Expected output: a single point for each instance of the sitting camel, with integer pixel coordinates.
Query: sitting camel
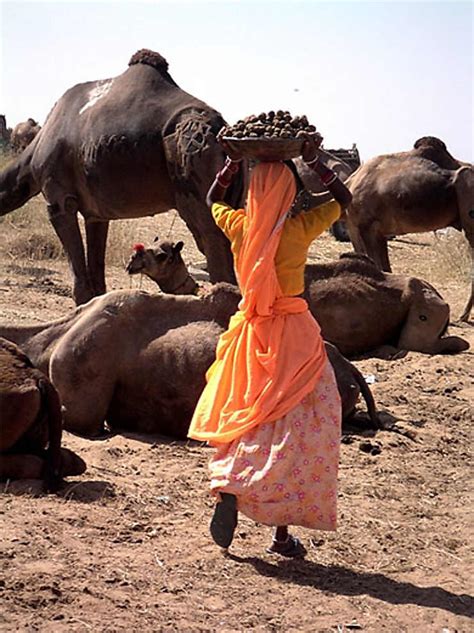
(163, 264)
(30, 420)
(359, 308)
(125, 147)
(152, 380)
(424, 189)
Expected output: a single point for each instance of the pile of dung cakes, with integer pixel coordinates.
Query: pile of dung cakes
(269, 125)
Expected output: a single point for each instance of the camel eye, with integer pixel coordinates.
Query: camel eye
(422, 317)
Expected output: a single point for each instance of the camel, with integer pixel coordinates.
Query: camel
(31, 419)
(424, 189)
(23, 134)
(359, 308)
(139, 360)
(124, 147)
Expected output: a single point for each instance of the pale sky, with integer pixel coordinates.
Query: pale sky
(380, 74)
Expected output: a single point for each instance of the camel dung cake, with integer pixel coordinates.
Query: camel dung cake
(269, 135)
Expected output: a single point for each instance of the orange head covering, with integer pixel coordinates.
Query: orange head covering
(272, 354)
(272, 190)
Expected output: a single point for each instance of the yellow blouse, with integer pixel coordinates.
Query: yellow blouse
(297, 235)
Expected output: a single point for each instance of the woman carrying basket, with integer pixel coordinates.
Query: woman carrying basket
(271, 407)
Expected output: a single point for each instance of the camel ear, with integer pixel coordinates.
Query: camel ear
(178, 247)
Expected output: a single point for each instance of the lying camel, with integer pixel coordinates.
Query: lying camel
(359, 308)
(30, 420)
(152, 380)
(424, 189)
(125, 147)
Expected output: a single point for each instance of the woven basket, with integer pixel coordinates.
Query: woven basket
(266, 149)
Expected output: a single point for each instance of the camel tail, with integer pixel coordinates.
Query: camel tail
(368, 397)
(52, 406)
(17, 184)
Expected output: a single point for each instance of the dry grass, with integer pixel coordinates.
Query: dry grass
(453, 258)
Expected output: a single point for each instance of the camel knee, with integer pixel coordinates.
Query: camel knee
(21, 467)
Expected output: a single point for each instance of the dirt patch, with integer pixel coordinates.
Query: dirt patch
(126, 545)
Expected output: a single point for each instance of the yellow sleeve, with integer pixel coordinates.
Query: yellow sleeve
(317, 220)
(229, 220)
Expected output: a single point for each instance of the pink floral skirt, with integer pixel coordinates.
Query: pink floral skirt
(285, 472)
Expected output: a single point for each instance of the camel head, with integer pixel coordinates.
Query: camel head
(427, 323)
(163, 263)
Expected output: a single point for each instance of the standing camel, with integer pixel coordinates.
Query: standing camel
(125, 147)
(424, 189)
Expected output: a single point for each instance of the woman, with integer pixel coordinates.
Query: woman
(271, 405)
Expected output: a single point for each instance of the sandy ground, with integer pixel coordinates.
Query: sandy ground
(126, 545)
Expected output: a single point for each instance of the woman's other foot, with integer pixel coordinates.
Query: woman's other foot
(292, 547)
(224, 520)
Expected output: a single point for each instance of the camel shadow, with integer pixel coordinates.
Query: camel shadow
(340, 580)
(81, 491)
(86, 491)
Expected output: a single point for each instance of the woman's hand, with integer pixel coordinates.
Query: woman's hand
(231, 153)
(310, 146)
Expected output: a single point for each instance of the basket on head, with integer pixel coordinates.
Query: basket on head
(266, 149)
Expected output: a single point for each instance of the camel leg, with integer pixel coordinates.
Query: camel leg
(464, 187)
(21, 466)
(358, 243)
(209, 239)
(220, 263)
(96, 236)
(376, 247)
(66, 226)
(467, 310)
(28, 466)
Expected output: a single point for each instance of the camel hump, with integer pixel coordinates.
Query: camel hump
(430, 141)
(432, 148)
(146, 56)
(360, 257)
(359, 264)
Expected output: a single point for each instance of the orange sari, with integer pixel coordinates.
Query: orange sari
(272, 354)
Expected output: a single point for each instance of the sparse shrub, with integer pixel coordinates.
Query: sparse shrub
(36, 246)
(453, 260)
